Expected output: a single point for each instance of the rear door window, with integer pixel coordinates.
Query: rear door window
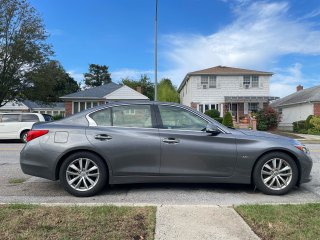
(132, 116)
(102, 118)
(29, 118)
(10, 118)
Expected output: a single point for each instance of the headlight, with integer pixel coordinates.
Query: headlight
(303, 148)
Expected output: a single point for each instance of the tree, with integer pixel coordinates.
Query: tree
(22, 46)
(147, 87)
(49, 82)
(167, 92)
(97, 75)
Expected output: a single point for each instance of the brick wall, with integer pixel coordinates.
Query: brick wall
(194, 105)
(316, 109)
(68, 107)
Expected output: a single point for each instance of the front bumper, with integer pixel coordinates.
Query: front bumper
(305, 168)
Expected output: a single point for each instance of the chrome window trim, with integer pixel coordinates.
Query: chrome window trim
(92, 123)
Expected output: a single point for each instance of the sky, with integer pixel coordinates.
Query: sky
(282, 37)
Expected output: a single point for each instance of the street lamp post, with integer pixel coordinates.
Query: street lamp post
(156, 54)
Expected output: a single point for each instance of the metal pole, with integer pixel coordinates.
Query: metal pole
(156, 54)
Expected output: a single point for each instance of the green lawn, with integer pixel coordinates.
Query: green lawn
(79, 222)
(283, 221)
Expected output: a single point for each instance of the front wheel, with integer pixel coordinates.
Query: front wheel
(83, 174)
(275, 173)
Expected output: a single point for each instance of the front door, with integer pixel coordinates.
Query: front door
(125, 136)
(187, 150)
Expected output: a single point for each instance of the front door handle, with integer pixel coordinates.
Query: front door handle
(170, 140)
(102, 137)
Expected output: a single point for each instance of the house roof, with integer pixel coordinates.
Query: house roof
(302, 96)
(223, 71)
(32, 105)
(94, 93)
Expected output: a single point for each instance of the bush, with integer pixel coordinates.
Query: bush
(315, 121)
(57, 117)
(227, 120)
(219, 119)
(308, 125)
(313, 131)
(267, 119)
(299, 126)
(213, 113)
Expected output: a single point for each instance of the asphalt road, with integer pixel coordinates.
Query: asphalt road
(36, 190)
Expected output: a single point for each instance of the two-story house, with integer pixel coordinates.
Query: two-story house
(239, 91)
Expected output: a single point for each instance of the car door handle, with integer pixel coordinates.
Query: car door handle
(102, 137)
(170, 140)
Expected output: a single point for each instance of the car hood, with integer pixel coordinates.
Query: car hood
(267, 135)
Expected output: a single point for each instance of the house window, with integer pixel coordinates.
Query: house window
(82, 106)
(250, 81)
(204, 82)
(253, 107)
(212, 82)
(255, 82)
(201, 108)
(246, 82)
(75, 107)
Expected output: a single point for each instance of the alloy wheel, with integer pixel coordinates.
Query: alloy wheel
(82, 174)
(276, 174)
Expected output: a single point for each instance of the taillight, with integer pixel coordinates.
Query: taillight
(32, 134)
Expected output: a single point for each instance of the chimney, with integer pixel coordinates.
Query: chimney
(299, 88)
(138, 89)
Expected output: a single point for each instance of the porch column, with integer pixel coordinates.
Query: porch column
(221, 110)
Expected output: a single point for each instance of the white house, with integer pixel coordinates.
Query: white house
(298, 106)
(226, 89)
(78, 101)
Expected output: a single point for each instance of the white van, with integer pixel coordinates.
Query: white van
(17, 125)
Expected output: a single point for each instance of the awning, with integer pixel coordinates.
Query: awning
(242, 99)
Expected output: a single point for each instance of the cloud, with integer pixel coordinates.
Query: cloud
(260, 34)
(119, 74)
(76, 75)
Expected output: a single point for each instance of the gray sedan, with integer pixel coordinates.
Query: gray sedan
(141, 142)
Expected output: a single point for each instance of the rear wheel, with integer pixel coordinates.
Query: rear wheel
(83, 174)
(23, 136)
(275, 173)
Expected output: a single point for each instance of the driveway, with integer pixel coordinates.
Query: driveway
(36, 190)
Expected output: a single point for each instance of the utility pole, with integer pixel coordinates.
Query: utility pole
(156, 54)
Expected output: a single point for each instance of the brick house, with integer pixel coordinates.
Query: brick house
(79, 101)
(298, 106)
(239, 91)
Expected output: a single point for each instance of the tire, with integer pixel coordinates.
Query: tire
(23, 136)
(275, 179)
(80, 182)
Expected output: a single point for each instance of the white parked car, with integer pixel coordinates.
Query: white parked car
(17, 125)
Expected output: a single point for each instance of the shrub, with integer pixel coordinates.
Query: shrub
(267, 119)
(57, 117)
(313, 131)
(308, 125)
(299, 126)
(213, 113)
(219, 119)
(227, 120)
(315, 121)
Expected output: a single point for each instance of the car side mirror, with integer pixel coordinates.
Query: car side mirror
(213, 129)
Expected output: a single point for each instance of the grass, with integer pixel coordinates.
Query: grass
(19, 221)
(16, 180)
(283, 221)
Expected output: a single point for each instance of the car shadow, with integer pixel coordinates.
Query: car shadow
(10, 141)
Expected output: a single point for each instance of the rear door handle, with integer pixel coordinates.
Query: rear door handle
(170, 140)
(102, 137)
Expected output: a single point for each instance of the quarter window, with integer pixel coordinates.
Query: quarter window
(178, 118)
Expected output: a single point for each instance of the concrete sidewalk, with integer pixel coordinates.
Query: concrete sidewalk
(200, 222)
